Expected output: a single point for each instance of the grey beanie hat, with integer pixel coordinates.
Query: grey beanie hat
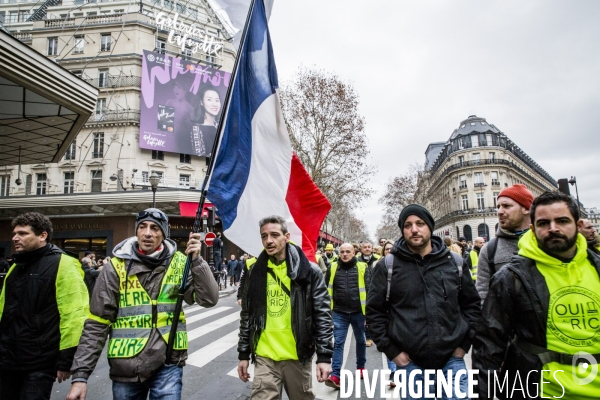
(155, 215)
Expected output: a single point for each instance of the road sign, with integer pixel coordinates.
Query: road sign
(209, 238)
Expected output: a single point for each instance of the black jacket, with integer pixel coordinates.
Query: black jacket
(516, 306)
(427, 316)
(312, 324)
(345, 286)
(30, 326)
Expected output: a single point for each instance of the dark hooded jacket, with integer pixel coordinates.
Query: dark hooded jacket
(431, 311)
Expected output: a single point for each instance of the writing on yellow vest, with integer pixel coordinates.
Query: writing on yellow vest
(362, 292)
(138, 314)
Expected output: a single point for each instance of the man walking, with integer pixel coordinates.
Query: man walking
(218, 250)
(473, 257)
(513, 218)
(540, 319)
(329, 255)
(231, 268)
(586, 228)
(348, 280)
(429, 318)
(368, 257)
(43, 305)
(133, 301)
(285, 318)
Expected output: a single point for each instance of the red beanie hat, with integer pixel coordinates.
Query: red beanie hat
(518, 193)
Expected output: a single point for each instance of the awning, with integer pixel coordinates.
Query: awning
(42, 105)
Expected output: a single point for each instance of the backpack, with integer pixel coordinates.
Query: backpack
(389, 263)
(491, 249)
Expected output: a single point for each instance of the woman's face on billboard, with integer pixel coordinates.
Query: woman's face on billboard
(211, 102)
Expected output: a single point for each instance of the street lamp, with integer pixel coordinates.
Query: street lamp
(485, 227)
(154, 181)
(573, 181)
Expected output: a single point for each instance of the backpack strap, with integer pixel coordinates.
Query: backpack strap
(458, 260)
(491, 253)
(389, 263)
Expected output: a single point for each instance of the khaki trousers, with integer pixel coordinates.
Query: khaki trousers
(270, 377)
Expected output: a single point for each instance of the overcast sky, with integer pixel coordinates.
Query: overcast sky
(420, 67)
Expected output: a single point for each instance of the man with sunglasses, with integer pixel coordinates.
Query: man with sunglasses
(133, 300)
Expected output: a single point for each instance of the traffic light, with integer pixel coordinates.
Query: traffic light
(211, 217)
(563, 186)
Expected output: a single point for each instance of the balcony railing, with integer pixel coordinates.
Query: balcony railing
(469, 212)
(167, 181)
(108, 116)
(115, 81)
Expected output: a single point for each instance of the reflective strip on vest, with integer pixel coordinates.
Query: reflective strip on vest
(474, 260)
(362, 291)
(137, 311)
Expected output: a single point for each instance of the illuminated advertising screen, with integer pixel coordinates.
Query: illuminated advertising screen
(181, 106)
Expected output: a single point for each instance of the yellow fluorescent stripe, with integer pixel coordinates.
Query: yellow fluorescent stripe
(98, 319)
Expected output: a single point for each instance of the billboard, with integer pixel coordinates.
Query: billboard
(181, 105)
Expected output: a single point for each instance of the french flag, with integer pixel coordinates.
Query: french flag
(256, 173)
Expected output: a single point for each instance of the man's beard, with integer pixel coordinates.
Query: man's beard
(557, 247)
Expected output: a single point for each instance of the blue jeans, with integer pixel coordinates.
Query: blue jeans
(455, 364)
(165, 384)
(341, 322)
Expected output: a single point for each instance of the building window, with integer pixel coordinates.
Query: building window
(145, 177)
(495, 181)
(100, 109)
(97, 181)
(161, 46)
(193, 12)
(185, 158)
(69, 185)
(460, 142)
(169, 5)
(52, 46)
(186, 53)
(79, 43)
(158, 155)
(71, 151)
(489, 138)
(492, 157)
(478, 176)
(105, 42)
(41, 184)
(496, 199)
(160, 175)
(98, 147)
(103, 78)
(476, 158)
(474, 140)
(23, 15)
(480, 201)
(78, 73)
(465, 202)
(463, 182)
(461, 160)
(184, 180)
(4, 185)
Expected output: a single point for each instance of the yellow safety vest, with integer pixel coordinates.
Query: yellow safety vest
(377, 256)
(250, 262)
(362, 292)
(474, 259)
(138, 314)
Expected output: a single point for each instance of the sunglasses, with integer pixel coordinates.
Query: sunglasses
(152, 214)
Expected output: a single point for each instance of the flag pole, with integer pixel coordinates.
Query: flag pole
(213, 156)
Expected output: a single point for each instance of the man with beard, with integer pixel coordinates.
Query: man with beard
(425, 316)
(544, 307)
(513, 218)
(329, 256)
(473, 257)
(586, 228)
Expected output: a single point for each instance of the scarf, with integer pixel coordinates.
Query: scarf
(152, 260)
(28, 257)
(256, 292)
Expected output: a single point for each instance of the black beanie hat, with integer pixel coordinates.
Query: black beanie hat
(419, 211)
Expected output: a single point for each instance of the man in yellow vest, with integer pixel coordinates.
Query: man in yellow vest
(285, 318)
(348, 280)
(329, 255)
(370, 258)
(541, 317)
(133, 301)
(43, 305)
(473, 257)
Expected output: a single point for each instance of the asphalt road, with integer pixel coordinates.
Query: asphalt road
(210, 372)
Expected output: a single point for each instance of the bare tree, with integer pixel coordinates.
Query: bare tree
(328, 134)
(388, 228)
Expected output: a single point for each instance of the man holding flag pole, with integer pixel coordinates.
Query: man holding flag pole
(256, 178)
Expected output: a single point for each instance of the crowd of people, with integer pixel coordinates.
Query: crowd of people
(526, 303)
